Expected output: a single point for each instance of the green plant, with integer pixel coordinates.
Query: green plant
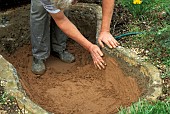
(146, 107)
(138, 8)
(8, 102)
(163, 38)
(162, 5)
(144, 9)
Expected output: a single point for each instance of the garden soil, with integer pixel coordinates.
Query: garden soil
(75, 88)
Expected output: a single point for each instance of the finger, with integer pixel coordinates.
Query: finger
(95, 65)
(103, 62)
(112, 44)
(102, 65)
(98, 66)
(100, 52)
(115, 43)
(101, 43)
(100, 60)
(118, 43)
(108, 44)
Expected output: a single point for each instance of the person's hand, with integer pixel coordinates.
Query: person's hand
(108, 39)
(97, 54)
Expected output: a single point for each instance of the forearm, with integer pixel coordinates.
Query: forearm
(107, 12)
(71, 31)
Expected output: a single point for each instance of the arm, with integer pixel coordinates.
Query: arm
(105, 36)
(107, 12)
(70, 30)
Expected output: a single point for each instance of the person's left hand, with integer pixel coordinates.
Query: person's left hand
(108, 39)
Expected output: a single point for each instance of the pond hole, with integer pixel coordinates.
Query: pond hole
(77, 87)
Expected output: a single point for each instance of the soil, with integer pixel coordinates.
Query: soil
(77, 87)
(14, 28)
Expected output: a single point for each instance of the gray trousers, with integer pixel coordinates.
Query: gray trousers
(43, 39)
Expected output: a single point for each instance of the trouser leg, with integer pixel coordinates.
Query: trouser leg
(58, 38)
(40, 30)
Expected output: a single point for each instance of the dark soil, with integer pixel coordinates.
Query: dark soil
(6, 4)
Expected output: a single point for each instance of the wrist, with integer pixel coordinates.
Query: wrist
(105, 27)
(90, 47)
(104, 32)
(108, 31)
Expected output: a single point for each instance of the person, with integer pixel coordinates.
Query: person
(40, 33)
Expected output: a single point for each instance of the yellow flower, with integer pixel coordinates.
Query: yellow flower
(137, 1)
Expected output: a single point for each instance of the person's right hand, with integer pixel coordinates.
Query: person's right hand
(97, 54)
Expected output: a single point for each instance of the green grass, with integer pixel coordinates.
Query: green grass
(147, 9)
(153, 18)
(156, 45)
(8, 103)
(145, 107)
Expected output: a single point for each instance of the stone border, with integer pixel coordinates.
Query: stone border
(147, 69)
(10, 79)
(131, 58)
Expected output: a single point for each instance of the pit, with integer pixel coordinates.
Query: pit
(77, 87)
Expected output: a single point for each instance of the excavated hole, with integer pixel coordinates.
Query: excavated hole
(79, 87)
